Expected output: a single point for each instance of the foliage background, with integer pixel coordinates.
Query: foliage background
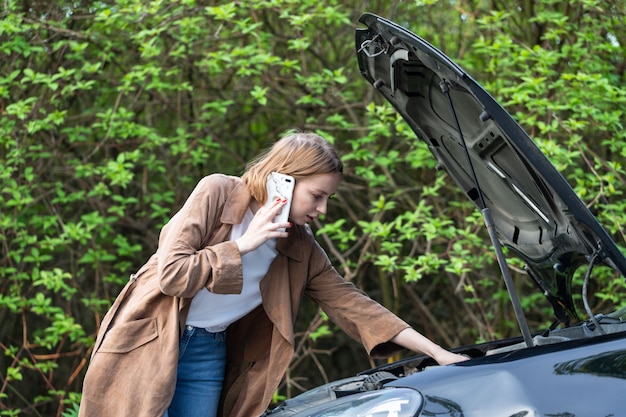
(110, 112)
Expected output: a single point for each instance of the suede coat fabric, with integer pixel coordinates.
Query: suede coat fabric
(133, 365)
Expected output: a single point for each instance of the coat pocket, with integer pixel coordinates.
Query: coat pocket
(125, 337)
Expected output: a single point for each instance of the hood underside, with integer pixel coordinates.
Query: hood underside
(536, 213)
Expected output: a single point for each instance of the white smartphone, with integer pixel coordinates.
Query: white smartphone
(280, 186)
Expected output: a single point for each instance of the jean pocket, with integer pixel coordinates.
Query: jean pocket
(125, 337)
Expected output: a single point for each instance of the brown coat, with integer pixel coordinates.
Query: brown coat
(133, 366)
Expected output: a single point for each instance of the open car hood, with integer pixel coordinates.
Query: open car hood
(535, 212)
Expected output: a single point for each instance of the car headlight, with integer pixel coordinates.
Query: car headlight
(391, 402)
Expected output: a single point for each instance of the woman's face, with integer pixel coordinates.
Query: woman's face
(310, 197)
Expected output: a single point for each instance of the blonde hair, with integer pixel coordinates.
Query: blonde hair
(297, 154)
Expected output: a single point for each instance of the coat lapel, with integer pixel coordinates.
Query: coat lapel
(281, 296)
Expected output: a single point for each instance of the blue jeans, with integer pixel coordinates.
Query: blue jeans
(200, 374)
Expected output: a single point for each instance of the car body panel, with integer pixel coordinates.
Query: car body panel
(577, 378)
(536, 213)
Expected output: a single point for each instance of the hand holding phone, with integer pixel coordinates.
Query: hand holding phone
(280, 186)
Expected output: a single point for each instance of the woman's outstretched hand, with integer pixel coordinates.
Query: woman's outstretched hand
(415, 341)
(262, 227)
(446, 357)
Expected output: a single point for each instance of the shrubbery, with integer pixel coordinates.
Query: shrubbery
(111, 111)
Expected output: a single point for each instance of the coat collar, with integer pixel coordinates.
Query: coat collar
(292, 246)
(235, 207)
(236, 204)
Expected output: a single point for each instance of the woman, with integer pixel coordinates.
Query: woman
(222, 263)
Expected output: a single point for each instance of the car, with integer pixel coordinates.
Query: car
(576, 367)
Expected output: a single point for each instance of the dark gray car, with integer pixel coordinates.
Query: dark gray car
(576, 369)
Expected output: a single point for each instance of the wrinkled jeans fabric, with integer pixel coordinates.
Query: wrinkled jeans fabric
(200, 374)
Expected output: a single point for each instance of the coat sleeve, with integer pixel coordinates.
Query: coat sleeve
(362, 318)
(186, 263)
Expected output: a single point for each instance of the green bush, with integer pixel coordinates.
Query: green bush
(112, 111)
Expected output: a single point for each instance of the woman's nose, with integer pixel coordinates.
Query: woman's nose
(322, 206)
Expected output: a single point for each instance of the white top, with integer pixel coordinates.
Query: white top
(215, 312)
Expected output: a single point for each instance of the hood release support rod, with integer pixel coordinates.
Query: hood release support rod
(504, 268)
